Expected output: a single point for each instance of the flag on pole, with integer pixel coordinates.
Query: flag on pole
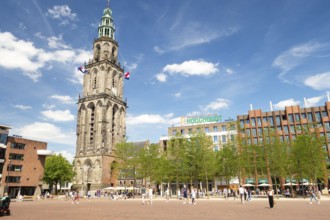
(127, 74)
(82, 69)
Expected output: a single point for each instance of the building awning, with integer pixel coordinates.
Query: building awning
(250, 181)
(3, 146)
(44, 152)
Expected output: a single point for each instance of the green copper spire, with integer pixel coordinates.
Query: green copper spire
(106, 27)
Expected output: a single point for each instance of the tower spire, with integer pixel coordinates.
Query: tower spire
(106, 27)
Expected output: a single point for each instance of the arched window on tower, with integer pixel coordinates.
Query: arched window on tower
(94, 83)
(97, 52)
(92, 124)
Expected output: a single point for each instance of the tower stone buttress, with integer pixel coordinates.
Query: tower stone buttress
(101, 112)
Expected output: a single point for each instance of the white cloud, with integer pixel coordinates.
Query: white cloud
(22, 26)
(23, 55)
(177, 95)
(67, 155)
(314, 101)
(319, 81)
(217, 105)
(61, 12)
(58, 115)
(63, 99)
(46, 132)
(23, 107)
(48, 106)
(284, 103)
(229, 71)
(192, 67)
(295, 56)
(57, 42)
(145, 119)
(161, 77)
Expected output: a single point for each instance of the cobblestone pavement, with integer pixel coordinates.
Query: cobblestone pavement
(96, 209)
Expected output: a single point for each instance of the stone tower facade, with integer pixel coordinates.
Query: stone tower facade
(101, 112)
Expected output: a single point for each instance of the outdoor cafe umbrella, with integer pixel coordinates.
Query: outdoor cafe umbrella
(248, 185)
(264, 184)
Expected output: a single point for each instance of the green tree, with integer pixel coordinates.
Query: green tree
(57, 170)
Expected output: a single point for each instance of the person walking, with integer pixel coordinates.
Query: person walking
(312, 195)
(150, 194)
(193, 196)
(270, 194)
(167, 194)
(241, 192)
(143, 194)
(185, 195)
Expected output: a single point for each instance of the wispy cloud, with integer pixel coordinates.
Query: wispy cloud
(284, 103)
(319, 81)
(314, 101)
(216, 105)
(193, 34)
(295, 56)
(22, 107)
(151, 119)
(63, 99)
(62, 13)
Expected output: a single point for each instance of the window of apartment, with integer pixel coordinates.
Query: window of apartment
(287, 139)
(324, 114)
(327, 125)
(298, 128)
(297, 117)
(248, 132)
(279, 128)
(303, 115)
(216, 148)
(253, 122)
(17, 146)
(207, 130)
(215, 139)
(189, 130)
(247, 121)
(215, 128)
(182, 131)
(259, 121)
(13, 179)
(254, 132)
(278, 119)
(241, 123)
(255, 140)
(264, 119)
(271, 121)
(223, 138)
(14, 167)
(318, 116)
(232, 137)
(291, 118)
(198, 130)
(293, 137)
(286, 129)
(224, 128)
(266, 130)
(328, 135)
(16, 156)
(292, 130)
(310, 116)
(3, 139)
(249, 141)
(174, 132)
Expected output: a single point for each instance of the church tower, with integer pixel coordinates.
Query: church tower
(101, 111)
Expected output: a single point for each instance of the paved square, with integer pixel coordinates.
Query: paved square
(204, 209)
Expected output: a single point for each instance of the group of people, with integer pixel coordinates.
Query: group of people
(146, 193)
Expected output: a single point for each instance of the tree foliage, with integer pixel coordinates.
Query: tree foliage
(57, 170)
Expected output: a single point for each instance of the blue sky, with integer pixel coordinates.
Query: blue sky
(186, 57)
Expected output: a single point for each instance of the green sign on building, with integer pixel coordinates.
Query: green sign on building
(203, 119)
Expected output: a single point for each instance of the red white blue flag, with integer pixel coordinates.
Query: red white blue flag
(82, 69)
(127, 74)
